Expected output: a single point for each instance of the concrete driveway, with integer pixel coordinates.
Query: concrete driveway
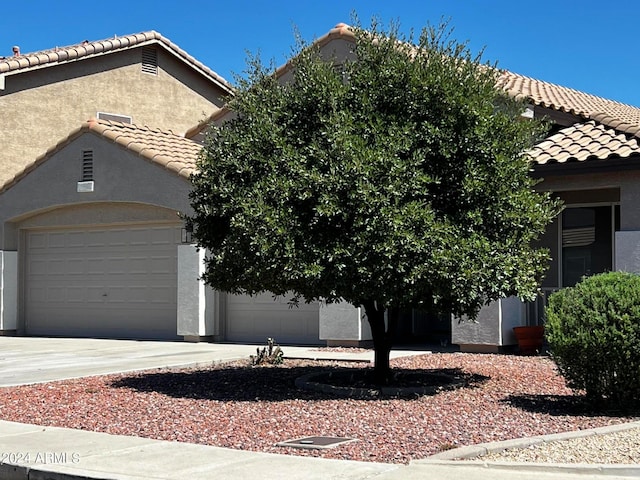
(25, 360)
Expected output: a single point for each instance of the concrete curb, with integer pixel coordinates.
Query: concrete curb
(481, 449)
(472, 455)
(614, 470)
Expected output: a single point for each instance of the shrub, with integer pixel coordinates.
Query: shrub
(272, 354)
(593, 330)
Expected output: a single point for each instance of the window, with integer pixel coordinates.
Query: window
(581, 243)
(587, 242)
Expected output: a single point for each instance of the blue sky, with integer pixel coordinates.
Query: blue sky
(589, 45)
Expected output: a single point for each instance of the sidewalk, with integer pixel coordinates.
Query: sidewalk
(33, 452)
(48, 453)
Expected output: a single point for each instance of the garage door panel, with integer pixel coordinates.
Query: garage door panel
(254, 319)
(62, 240)
(76, 294)
(37, 241)
(119, 282)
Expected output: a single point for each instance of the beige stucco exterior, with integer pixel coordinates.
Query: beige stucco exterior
(41, 106)
(122, 180)
(129, 191)
(577, 185)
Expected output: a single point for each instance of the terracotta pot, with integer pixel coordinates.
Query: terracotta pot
(529, 339)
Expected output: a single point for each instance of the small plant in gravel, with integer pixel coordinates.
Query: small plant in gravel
(272, 354)
(446, 446)
(593, 330)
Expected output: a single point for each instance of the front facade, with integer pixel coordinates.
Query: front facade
(591, 161)
(92, 240)
(109, 256)
(96, 257)
(144, 79)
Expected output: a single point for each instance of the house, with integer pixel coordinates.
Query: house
(109, 255)
(143, 78)
(92, 242)
(588, 160)
(591, 161)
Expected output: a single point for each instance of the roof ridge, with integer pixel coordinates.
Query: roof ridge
(93, 122)
(88, 48)
(574, 90)
(84, 43)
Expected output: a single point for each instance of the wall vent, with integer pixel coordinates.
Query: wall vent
(150, 61)
(114, 117)
(86, 184)
(87, 165)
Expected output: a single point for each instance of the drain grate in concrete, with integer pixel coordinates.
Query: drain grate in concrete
(316, 442)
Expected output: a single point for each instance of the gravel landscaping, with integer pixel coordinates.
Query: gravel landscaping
(252, 408)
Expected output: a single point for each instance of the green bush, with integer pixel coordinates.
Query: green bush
(593, 330)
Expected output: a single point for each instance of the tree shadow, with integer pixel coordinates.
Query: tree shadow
(564, 405)
(273, 384)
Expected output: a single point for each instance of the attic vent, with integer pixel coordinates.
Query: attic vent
(87, 165)
(115, 117)
(150, 61)
(85, 184)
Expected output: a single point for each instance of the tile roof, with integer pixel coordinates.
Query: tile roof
(86, 49)
(164, 148)
(606, 120)
(622, 117)
(585, 141)
(341, 30)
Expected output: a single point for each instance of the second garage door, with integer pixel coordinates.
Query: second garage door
(254, 319)
(116, 282)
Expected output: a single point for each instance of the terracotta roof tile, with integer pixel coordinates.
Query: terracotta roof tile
(58, 55)
(585, 141)
(622, 117)
(173, 152)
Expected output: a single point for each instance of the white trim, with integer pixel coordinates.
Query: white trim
(8, 290)
(99, 117)
(86, 187)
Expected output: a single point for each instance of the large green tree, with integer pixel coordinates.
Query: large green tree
(394, 180)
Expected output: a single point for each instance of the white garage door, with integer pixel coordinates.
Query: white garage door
(118, 282)
(254, 319)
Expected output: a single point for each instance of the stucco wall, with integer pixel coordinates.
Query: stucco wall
(628, 181)
(627, 248)
(343, 322)
(41, 107)
(191, 292)
(120, 177)
(485, 330)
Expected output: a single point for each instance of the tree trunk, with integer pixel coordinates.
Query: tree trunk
(382, 338)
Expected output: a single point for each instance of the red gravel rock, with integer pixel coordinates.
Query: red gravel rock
(252, 408)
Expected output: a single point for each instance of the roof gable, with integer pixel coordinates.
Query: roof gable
(622, 117)
(604, 119)
(164, 148)
(584, 141)
(86, 49)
